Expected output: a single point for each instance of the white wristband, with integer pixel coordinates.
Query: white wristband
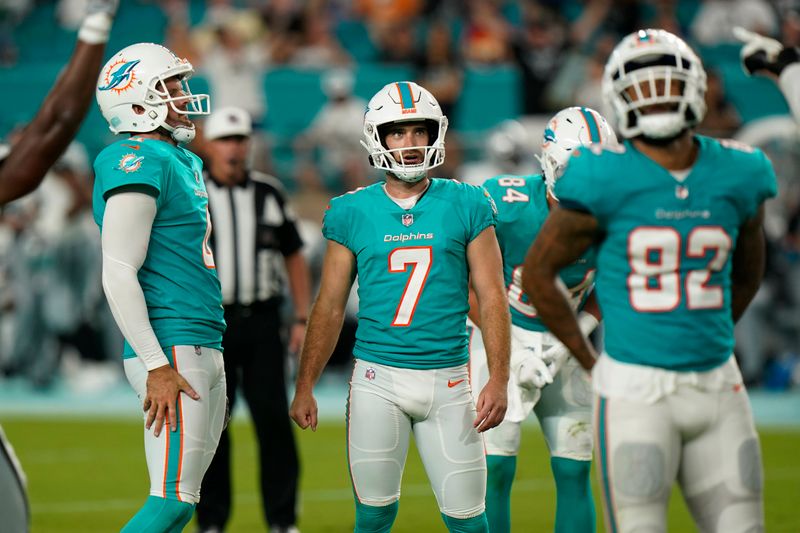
(95, 28)
(587, 322)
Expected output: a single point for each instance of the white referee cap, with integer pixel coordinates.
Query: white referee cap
(227, 122)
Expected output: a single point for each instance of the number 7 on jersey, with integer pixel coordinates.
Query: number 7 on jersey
(419, 258)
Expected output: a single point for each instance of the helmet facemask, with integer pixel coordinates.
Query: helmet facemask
(195, 105)
(391, 159)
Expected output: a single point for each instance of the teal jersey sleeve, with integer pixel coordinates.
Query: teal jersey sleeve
(484, 210)
(754, 172)
(588, 176)
(337, 222)
(129, 163)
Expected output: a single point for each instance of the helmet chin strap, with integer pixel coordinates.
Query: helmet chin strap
(408, 177)
(180, 134)
(183, 134)
(662, 125)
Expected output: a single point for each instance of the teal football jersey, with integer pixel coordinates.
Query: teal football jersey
(413, 275)
(178, 277)
(521, 210)
(664, 266)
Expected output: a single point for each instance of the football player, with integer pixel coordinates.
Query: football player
(158, 273)
(677, 221)
(22, 168)
(413, 241)
(543, 377)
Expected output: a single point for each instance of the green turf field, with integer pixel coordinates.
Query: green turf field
(87, 476)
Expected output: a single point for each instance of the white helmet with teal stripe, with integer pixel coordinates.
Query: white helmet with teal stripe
(571, 128)
(404, 101)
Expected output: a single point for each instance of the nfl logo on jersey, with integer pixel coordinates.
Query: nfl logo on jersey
(407, 219)
(370, 374)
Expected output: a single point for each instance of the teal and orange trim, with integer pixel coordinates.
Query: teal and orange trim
(173, 456)
(591, 123)
(601, 427)
(406, 97)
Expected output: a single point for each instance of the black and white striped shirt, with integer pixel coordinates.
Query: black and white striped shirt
(253, 229)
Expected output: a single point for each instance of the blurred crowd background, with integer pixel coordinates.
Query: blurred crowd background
(304, 69)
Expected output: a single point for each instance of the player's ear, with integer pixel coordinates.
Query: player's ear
(139, 110)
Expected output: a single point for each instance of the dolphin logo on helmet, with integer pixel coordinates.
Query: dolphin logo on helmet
(135, 79)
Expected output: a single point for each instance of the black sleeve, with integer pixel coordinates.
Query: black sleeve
(289, 240)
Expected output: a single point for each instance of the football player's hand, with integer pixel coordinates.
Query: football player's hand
(304, 409)
(759, 54)
(102, 6)
(163, 386)
(492, 404)
(535, 372)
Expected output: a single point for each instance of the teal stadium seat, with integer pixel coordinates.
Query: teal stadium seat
(354, 38)
(24, 87)
(489, 96)
(295, 96)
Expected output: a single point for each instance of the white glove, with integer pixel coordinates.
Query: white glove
(758, 52)
(534, 372)
(555, 357)
(96, 25)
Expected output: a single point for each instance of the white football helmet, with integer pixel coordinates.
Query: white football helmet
(508, 144)
(136, 75)
(404, 101)
(642, 58)
(571, 128)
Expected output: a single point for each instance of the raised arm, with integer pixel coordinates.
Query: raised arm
(565, 235)
(44, 139)
(767, 57)
(486, 268)
(324, 325)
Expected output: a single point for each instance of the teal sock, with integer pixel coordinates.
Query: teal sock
(574, 503)
(500, 476)
(373, 519)
(476, 524)
(160, 515)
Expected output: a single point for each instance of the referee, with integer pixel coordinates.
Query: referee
(256, 248)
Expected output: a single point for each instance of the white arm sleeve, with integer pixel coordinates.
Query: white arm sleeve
(127, 222)
(789, 82)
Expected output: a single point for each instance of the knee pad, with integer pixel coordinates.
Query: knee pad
(476, 524)
(638, 470)
(372, 519)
